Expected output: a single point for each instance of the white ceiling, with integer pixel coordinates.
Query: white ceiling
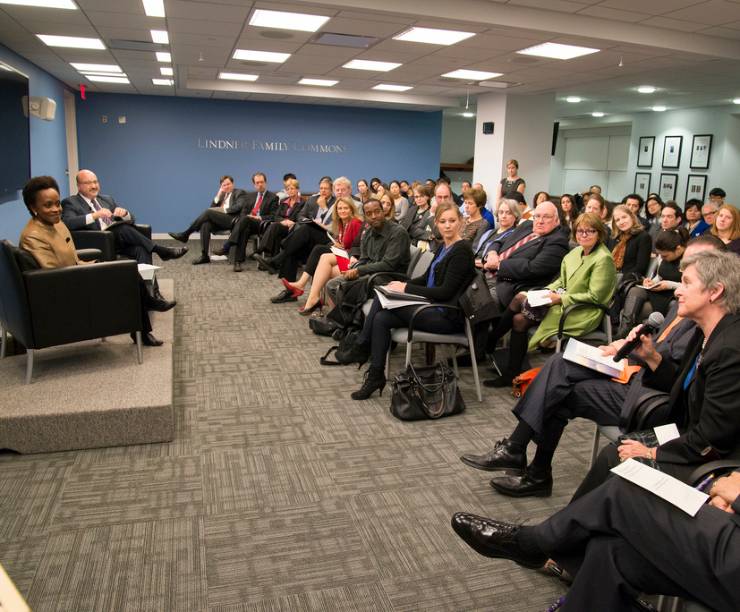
(689, 49)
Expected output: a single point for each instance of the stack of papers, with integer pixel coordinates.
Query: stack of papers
(538, 297)
(592, 358)
(395, 299)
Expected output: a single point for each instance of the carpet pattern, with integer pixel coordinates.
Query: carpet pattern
(278, 493)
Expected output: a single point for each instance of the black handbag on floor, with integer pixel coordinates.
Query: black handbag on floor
(429, 392)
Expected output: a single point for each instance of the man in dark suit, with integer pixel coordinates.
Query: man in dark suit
(306, 234)
(259, 208)
(89, 210)
(221, 215)
(621, 540)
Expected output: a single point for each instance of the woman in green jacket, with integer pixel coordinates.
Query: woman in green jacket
(587, 275)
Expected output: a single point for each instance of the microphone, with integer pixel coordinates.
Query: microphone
(655, 320)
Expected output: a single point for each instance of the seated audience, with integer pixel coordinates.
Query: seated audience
(704, 388)
(448, 276)
(221, 215)
(406, 191)
(671, 216)
(91, 210)
(630, 243)
(474, 223)
(717, 195)
(322, 264)
(709, 212)
(283, 193)
(564, 390)
(727, 227)
(420, 227)
(389, 207)
(363, 191)
(570, 210)
(658, 290)
(695, 225)
(597, 205)
(287, 215)
(400, 202)
(311, 230)
(621, 540)
(635, 203)
(587, 276)
(653, 206)
(508, 218)
(258, 211)
(47, 238)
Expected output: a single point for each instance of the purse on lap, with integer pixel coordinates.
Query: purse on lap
(429, 392)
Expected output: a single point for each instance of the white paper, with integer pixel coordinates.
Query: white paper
(592, 357)
(390, 304)
(340, 252)
(539, 297)
(146, 271)
(666, 433)
(667, 487)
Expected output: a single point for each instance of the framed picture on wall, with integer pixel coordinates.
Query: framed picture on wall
(701, 147)
(645, 152)
(667, 187)
(672, 151)
(696, 185)
(642, 184)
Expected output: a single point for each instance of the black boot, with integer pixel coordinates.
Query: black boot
(374, 379)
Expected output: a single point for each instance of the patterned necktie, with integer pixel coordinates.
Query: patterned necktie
(256, 209)
(103, 221)
(507, 253)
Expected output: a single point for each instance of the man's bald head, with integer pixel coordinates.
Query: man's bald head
(545, 218)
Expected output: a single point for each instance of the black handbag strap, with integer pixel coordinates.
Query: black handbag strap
(418, 385)
(326, 361)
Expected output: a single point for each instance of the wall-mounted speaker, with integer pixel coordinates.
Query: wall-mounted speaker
(37, 106)
(488, 127)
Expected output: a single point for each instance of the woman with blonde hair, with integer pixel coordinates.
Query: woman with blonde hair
(726, 227)
(630, 244)
(322, 263)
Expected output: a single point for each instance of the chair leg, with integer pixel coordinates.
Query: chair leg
(29, 366)
(388, 365)
(139, 352)
(454, 363)
(3, 341)
(595, 449)
(408, 353)
(473, 360)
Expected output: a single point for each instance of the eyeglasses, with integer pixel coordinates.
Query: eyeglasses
(95, 182)
(586, 232)
(543, 217)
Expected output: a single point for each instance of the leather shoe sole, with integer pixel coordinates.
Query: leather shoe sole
(179, 236)
(523, 486)
(510, 467)
(283, 298)
(166, 253)
(203, 259)
(494, 539)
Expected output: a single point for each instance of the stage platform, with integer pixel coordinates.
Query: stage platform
(90, 394)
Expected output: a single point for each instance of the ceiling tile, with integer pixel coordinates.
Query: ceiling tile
(673, 24)
(207, 11)
(714, 12)
(605, 12)
(562, 6)
(652, 7)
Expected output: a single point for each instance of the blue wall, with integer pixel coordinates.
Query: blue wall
(165, 160)
(48, 142)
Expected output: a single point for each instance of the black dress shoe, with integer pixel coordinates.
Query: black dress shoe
(525, 485)
(148, 339)
(503, 456)
(495, 539)
(283, 297)
(203, 259)
(500, 382)
(160, 304)
(237, 266)
(166, 253)
(180, 236)
(267, 263)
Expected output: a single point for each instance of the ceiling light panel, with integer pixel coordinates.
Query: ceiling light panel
(106, 68)
(164, 57)
(72, 42)
(573, 99)
(105, 78)
(471, 75)
(236, 76)
(558, 51)
(287, 21)
(433, 36)
(160, 36)
(388, 87)
(166, 71)
(371, 65)
(597, 114)
(163, 82)
(659, 108)
(153, 8)
(57, 4)
(260, 56)
(318, 82)
(646, 89)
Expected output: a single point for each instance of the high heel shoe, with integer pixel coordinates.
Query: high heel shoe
(374, 380)
(293, 289)
(305, 312)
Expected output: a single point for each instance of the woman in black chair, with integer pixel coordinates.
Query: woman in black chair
(450, 273)
(50, 243)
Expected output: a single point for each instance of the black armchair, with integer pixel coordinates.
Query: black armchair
(43, 308)
(104, 241)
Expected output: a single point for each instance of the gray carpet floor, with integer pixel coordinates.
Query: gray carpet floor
(279, 492)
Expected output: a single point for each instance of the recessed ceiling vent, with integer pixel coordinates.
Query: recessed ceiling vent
(498, 84)
(344, 40)
(135, 45)
(276, 34)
